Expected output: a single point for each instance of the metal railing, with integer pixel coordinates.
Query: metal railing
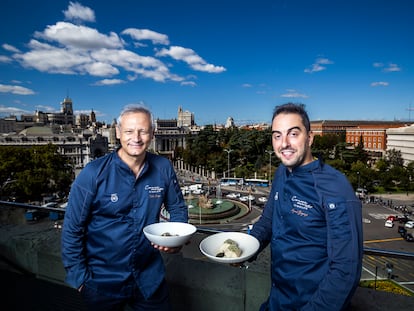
(194, 279)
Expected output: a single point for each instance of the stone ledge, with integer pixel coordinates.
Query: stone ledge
(193, 280)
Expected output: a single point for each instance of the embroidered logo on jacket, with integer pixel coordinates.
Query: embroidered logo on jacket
(154, 191)
(300, 207)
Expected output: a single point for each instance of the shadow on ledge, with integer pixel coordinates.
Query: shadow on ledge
(22, 293)
(195, 283)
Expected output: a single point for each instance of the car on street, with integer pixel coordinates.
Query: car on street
(246, 198)
(403, 219)
(409, 224)
(389, 223)
(402, 231)
(409, 236)
(233, 195)
(392, 217)
(262, 199)
(406, 234)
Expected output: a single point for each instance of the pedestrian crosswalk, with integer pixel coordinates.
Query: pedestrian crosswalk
(379, 215)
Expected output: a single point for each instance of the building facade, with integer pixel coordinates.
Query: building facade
(79, 148)
(171, 134)
(82, 138)
(372, 134)
(402, 139)
(185, 118)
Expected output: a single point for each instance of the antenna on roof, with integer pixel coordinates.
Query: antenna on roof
(409, 112)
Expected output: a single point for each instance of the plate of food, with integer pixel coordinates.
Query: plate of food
(169, 234)
(229, 247)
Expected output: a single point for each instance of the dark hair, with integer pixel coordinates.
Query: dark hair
(296, 109)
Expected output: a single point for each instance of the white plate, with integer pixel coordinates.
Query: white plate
(180, 233)
(247, 243)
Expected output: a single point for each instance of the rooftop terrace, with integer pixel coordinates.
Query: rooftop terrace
(33, 274)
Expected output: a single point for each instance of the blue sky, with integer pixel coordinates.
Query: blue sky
(345, 60)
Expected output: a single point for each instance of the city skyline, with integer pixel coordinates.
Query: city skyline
(344, 60)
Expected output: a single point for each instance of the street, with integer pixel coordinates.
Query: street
(377, 236)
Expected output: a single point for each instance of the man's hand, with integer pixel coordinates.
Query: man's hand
(169, 250)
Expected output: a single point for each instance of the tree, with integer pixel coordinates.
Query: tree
(35, 171)
(325, 145)
(394, 158)
(249, 157)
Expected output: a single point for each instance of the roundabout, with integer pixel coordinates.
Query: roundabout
(202, 210)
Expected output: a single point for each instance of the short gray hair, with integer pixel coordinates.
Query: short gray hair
(135, 108)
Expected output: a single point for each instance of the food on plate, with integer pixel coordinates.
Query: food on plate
(168, 234)
(229, 249)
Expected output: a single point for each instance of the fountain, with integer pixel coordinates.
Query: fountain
(204, 210)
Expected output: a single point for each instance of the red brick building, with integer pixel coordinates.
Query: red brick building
(372, 133)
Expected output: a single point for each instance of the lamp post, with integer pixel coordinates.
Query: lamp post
(359, 180)
(270, 152)
(228, 160)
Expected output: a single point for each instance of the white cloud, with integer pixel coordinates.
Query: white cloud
(146, 34)
(146, 66)
(126, 59)
(189, 83)
(78, 12)
(47, 58)
(109, 82)
(82, 37)
(15, 89)
(318, 65)
(100, 69)
(10, 48)
(246, 85)
(324, 61)
(191, 58)
(5, 59)
(314, 68)
(293, 94)
(45, 108)
(68, 48)
(391, 67)
(379, 83)
(12, 111)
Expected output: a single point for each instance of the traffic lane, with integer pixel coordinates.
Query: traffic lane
(376, 235)
(400, 270)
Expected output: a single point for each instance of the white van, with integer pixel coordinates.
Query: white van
(361, 193)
